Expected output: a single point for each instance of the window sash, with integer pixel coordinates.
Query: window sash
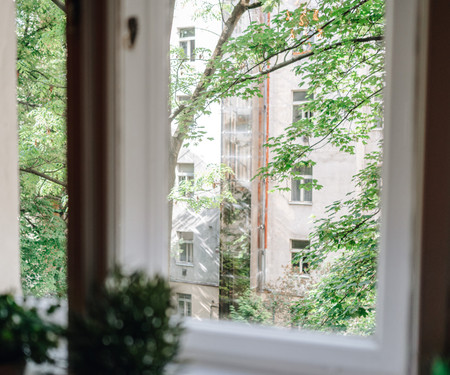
(187, 42)
(266, 351)
(186, 252)
(184, 304)
(300, 98)
(299, 265)
(300, 194)
(297, 247)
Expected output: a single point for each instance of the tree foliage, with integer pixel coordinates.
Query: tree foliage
(207, 190)
(41, 98)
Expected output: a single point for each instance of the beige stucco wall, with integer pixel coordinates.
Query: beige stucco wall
(9, 186)
(334, 170)
(205, 299)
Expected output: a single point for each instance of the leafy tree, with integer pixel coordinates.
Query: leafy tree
(41, 98)
(337, 48)
(206, 190)
(345, 296)
(250, 309)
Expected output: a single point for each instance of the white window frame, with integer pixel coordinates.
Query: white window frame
(183, 175)
(298, 104)
(228, 348)
(190, 54)
(301, 263)
(303, 192)
(188, 248)
(186, 299)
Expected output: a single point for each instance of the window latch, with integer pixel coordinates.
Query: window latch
(133, 30)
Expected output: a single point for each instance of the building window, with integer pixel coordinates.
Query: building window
(299, 265)
(379, 119)
(184, 304)
(185, 172)
(301, 176)
(187, 42)
(182, 99)
(299, 99)
(186, 246)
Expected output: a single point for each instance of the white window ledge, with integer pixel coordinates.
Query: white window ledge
(300, 203)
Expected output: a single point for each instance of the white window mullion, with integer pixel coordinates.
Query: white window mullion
(143, 137)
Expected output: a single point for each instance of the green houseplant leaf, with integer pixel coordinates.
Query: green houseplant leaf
(127, 330)
(23, 334)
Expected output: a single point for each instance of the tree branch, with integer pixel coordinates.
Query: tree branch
(293, 60)
(226, 34)
(227, 30)
(360, 224)
(45, 176)
(28, 104)
(255, 5)
(60, 5)
(306, 55)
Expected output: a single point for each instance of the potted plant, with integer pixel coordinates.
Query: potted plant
(127, 329)
(24, 336)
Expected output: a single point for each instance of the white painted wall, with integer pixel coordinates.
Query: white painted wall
(9, 175)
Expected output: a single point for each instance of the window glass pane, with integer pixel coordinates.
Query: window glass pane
(186, 168)
(295, 191)
(297, 113)
(307, 193)
(41, 110)
(183, 98)
(186, 33)
(299, 244)
(268, 194)
(300, 96)
(192, 51)
(295, 261)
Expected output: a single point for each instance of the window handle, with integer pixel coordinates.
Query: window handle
(133, 30)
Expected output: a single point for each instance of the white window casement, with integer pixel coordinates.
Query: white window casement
(299, 265)
(184, 304)
(141, 240)
(185, 172)
(299, 99)
(187, 42)
(228, 348)
(186, 248)
(298, 193)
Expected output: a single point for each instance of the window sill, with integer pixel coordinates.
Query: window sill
(185, 264)
(275, 351)
(302, 275)
(295, 203)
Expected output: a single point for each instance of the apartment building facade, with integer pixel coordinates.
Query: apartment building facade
(264, 231)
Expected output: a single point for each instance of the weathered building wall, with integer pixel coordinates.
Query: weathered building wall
(204, 299)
